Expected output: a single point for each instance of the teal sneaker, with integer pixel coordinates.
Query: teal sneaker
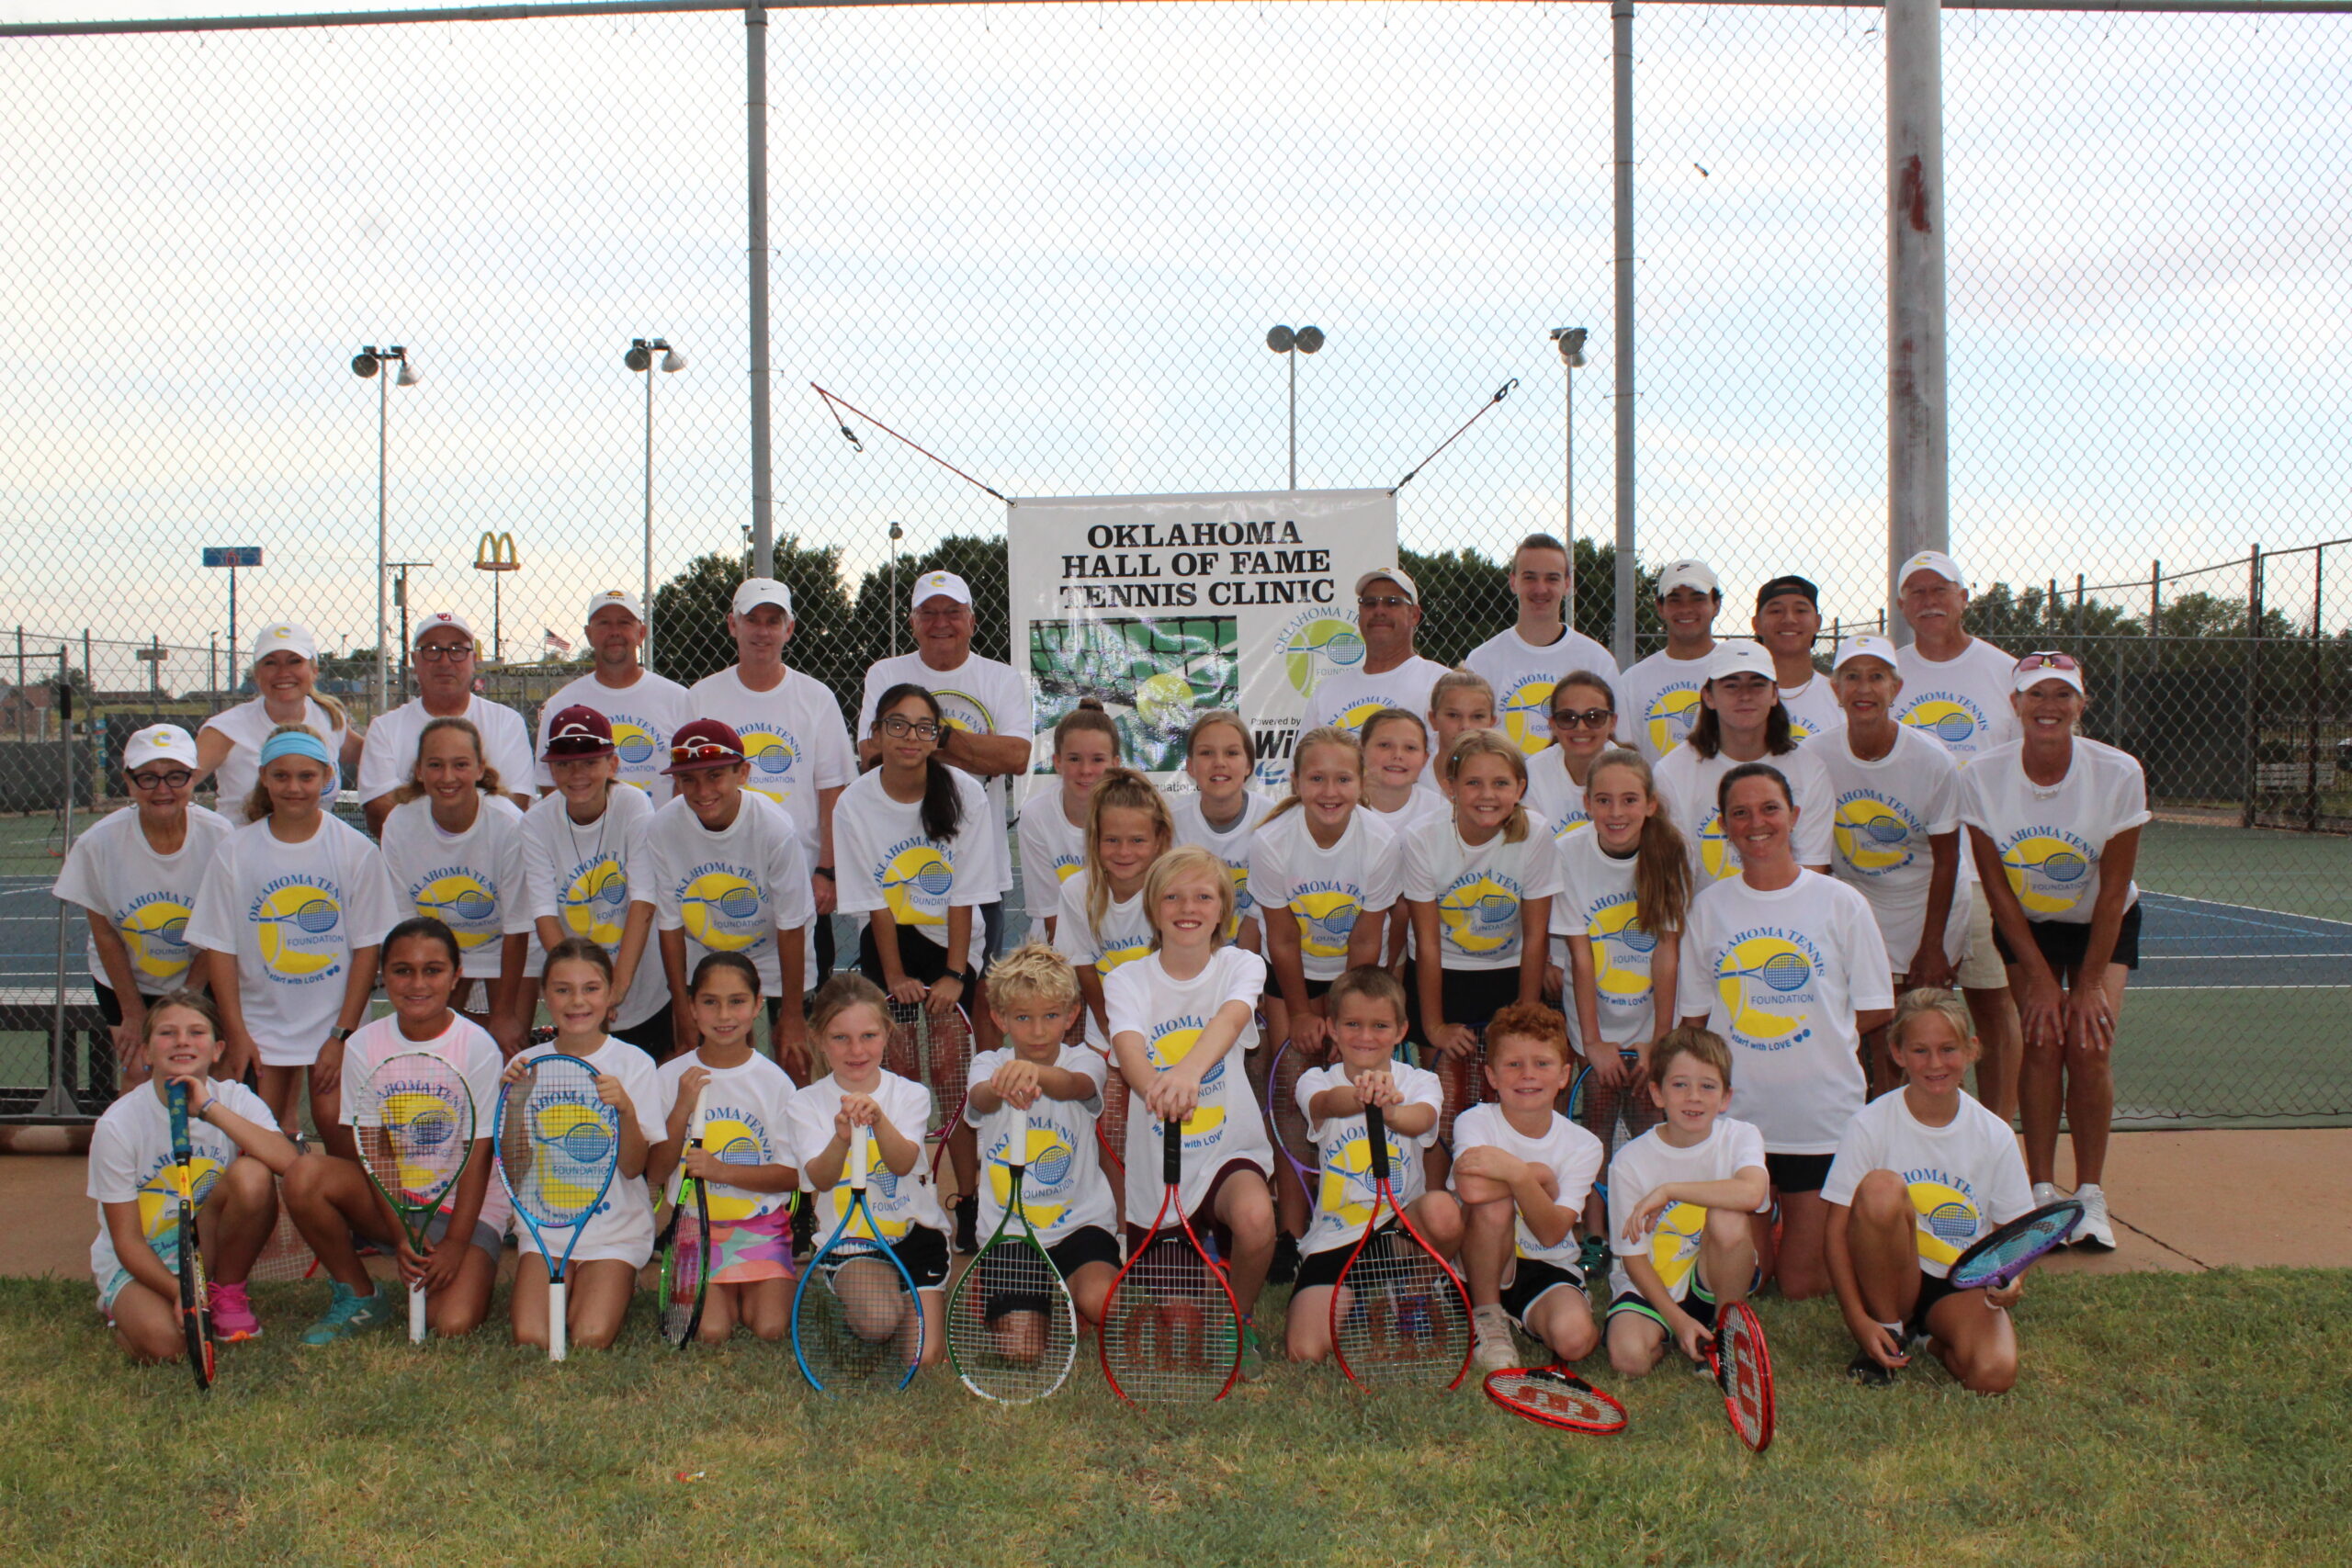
(1253, 1358)
(1592, 1255)
(347, 1314)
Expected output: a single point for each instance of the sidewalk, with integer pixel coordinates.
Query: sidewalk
(2180, 1201)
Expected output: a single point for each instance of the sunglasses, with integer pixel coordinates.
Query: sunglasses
(1589, 718)
(2047, 660)
(1382, 601)
(702, 751)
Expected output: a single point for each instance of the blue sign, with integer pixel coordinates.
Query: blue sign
(232, 555)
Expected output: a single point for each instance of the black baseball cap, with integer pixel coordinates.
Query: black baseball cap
(1789, 582)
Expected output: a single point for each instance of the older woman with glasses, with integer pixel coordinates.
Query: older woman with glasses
(2054, 821)
(135, 876)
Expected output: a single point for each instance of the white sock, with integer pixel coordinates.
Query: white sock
(1893, 1331)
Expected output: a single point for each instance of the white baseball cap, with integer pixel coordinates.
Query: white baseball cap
(1395, 574)
(1942, 565)
(441, 621)
(2046, 665)
(1870, 645)
(940, 585)
(612, 596)
(758, 590)
(158, 743)
(1695, 574)
(1739, 658)
(285, 637)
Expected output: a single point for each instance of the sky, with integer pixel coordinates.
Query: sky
(1046, 242)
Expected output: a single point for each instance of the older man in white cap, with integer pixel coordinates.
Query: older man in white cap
(793, 736)
(1661, 693)
(1393, 674)
(1956, 688)
(445, 654)
(644, 709)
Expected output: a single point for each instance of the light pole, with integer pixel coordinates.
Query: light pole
(364, 364)
(639, 357)
(897, 534)
(1569, 341)
(1283, 341)
(400, 597)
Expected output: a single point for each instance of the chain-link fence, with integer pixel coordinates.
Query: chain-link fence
(1046, 242)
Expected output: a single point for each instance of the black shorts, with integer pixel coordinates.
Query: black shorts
(1532, 1281)
(1470, 995)
(1798, 1173)
(1317, 990)
(1212, 1232)
(1087, 1243)
(2063, 942)
(919, 957)
(1695, 1301)
(924, 1252)
(652, 1037)
(1321, 1270)
(1933, 1288)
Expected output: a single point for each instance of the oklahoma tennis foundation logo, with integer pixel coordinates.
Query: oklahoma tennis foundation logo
(882, 1190)
(2050, 869)
(1674, 1246)
(772, 753)
(300, 934)
(1125, 951)
(915, 877)
(1949, 717)
(964, 711)
(1876, 834)
(721, 906)
(1621, 951)
(158, 1202)
(1948, 1217)
(1669, 717)
(1344, 1197)
(737, 1136)
(456, 896)
(596, 900)
(1327, 913)
(1170, 1043)
(1716, 856)
(571, 1141)
(1315, 643)
(1480, 914)
(637, 739)
(1047, 1160)
(1525, 705)
(1243, 904)
(1765, 980)
(155, 931)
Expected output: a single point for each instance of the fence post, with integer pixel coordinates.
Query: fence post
(1620, 33)
(2155, 594)
(2311, 761)
(2253, 685)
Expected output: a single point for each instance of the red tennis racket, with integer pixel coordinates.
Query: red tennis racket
(1557, 1397)
(1399, 1315)
(1743, 1368)
(1171, 1330)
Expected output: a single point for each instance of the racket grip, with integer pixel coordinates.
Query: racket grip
(1376, 1129)
(416, 1314)
(1171, 1160)
(556, 1320)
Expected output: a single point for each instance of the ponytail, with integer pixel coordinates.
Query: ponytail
(943, 803)
(1662, 889)
(1089, 718)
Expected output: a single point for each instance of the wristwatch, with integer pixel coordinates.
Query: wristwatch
(961, 976)
(340, 1035)
(826, 872)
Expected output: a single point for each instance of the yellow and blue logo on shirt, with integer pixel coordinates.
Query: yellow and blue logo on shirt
(1949, 719)
(721, 909)
(1326, 914)
(734, 1137)
(2049, 869)
(1480, 914)
(1315, 645)
(1621, 948)
(1948, 1215)
(1346, 1193)
(1355, 716)
(1669, 717)
(1766, 982)
(1874, 833)
(596, 902)
(1526, 711)
(1173, 1042)
(916, 877)
(1717, 859)
(458, 899)
(1047, 1160)
(772, 753)
(155, 931)
(1674, 1246)
(634, 740)
(159, 1202)
(298, 927)
(1125, 951)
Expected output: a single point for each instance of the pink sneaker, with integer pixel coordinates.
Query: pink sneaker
(232, 1314)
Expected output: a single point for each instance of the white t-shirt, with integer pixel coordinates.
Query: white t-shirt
(1812, 707)
(889, 862)
(1686, 789)
(738, 890)
(622, 1227)
(1658, 700)
(1348, 697)
(794, 737)
(1479, 890)
(465, 1046)
(112, 872)
(1052, 849)
(1230, 844)
(247, 726)
(1329, 890)
(1062, 1185)
(2050, 839)
(1552, 799)
(1573, 1155)
(130, 1162)
(1344, 1193)
(1597, 902)
(1792, 1032)
(1648, 1163)
(1885, 812)
(980, 696)
(745, 1122)
(472, 882)
(293, 914)
(898, 1203)
(1169, 1014)
(388, 758)
(1523, 675)
(1964, 1179)
(1962, 702)
(644, 715)
(1421, 808)
(1123, 937)
(579, 876)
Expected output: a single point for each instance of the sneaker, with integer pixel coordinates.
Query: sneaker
(2044, 1194)
(347, 1314)
(2094, 1233)
(1869, 1373)
(1495, 1350)
(232, 1314)
(1253, 1357)
(804, 1232)
(968, 1225)
(1284, 1268)
(1592, 1256)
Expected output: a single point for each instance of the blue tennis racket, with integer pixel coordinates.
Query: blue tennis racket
(559, 1145)
(173, 932)
(1338, 923)
(1782, 972)
(318, 916)
(773, 758)
(1887, 829)
(470, 906)
(1632, 938)
(2010, 1250)
(1954, 727)
(856, 1321)
(2063, 866)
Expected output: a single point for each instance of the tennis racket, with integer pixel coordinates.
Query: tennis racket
(1782, 972)
(857, 1321)
(414, 1122)
(934, 1050)
(1011, 1328)
(685, 1248)
(1110, 1127)
(1399, 1315)
(1462, 1081)
(1284, 1118)
(557, 1145)
(195, 1296)
(1742, 1368)
(318, 916)
(1999, 1258)
(1557, 1397)
(1171, 1330)
(1608, 1117)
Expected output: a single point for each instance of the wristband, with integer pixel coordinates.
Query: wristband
(826, 872)
(340, 1035)
(961, 976)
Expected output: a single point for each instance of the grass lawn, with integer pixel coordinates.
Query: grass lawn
(2168, 1420)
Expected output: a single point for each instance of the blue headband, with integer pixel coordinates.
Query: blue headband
(295, 743)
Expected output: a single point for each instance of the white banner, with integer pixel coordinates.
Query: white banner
(1165, 606)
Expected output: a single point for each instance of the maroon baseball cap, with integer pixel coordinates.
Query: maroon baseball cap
(580, 732)
(703, 743)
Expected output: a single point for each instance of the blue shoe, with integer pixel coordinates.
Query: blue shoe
(347, 1314)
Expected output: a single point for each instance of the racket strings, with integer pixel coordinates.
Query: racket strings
(2005, 1253)
(857, 1325)
(558, 1142)
(414, 1128)
(1397, 1314)
(1555, 1399)
(1011, 1329)
(1170, 1334)
(1282, 1114)
(683, 1272)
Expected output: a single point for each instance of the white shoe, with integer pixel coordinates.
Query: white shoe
(2093, 1232)
(1495, 1350)
(2044, 1194)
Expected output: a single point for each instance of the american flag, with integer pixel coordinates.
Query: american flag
(558, 643)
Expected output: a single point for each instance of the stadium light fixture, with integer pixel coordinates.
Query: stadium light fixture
(367, 364)
(640, 361)
(1283, 341)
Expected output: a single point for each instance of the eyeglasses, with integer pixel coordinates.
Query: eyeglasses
(176, 779)
(429, 651)
(1589, 718)
(2047, 661)
(921, 729)
(703, 752)
(1381, 601)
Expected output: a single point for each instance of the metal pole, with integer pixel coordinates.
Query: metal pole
(2155, 594)
(648, 511)
(58, 1103)
(755, 29)
(21, 699)
(383, 453)
(2310, 760)
(2078, 608)
(1918, 512)
(214, 684)
(1621, 19)
(1293, 357)
(404, 650)
(2252, 684)
(232, 598)
(1568, 490)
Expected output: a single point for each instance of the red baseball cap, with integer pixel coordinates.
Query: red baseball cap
(703, 743)
(580, 732)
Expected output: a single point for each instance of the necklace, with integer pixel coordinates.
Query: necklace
(594, 856)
